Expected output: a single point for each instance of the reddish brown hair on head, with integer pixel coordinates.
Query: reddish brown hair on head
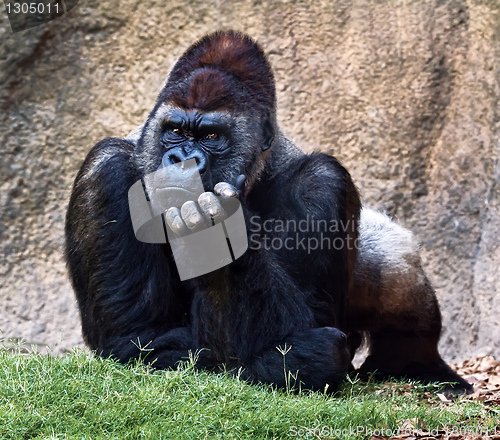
(224, 70)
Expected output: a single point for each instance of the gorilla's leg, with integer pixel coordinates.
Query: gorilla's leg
(392, 299)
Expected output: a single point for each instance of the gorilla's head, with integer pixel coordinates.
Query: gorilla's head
(218, 107)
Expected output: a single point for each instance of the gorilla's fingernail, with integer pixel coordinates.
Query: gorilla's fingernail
(224, 189)
(229, 192)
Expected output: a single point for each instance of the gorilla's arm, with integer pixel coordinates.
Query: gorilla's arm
(127, 290)
(312, 208)
(315, 359)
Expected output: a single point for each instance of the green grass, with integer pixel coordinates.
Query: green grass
(83, 397)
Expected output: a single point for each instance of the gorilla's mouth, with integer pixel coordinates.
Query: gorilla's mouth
(174, 185)
(172, 188)
(170, 196)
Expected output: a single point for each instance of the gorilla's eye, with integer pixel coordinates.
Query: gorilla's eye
(172, 135)
(211, 136)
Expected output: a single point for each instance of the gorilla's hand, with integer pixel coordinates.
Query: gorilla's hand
(211, 208)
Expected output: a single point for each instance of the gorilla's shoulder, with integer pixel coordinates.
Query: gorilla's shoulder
(109, 158)
(317, 168)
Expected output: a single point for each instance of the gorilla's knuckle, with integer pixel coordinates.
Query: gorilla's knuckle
(210, 206)
(174, 220)
(191, 216)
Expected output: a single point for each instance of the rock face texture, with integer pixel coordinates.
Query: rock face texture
(405, 93)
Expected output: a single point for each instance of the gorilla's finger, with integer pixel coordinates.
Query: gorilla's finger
(225, 190)
(240, 183)
(175, 222)
(211, 207)
(192, 216)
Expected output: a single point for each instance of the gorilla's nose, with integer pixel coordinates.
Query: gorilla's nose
(177, 155)
(201, 160)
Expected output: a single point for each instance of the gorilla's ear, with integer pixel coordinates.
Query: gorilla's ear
(267, 132)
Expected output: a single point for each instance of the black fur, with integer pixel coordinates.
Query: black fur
(270, 301)
(130, 295)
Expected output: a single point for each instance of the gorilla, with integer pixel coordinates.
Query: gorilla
(319, 272)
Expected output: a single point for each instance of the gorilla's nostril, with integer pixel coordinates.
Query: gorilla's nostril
(201, 161)
(171, 157)
(202, 165)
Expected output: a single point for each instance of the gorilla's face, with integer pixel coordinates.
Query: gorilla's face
(206, 137)
(225, 145)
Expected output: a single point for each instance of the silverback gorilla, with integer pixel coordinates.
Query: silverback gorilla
(219, 108)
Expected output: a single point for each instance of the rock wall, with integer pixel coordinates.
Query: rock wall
(404, 92)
